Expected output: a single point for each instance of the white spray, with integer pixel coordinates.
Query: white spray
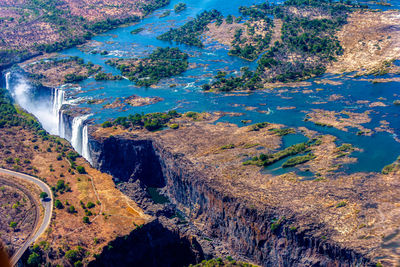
(85, 144)
(77, 132)
(50, 114)
(22, 94)
(8, 80)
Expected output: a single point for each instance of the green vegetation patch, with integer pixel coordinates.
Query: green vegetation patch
(283, 132)
(190, 32)
(394, 167)
(179, 7)
(162, 63)
(298, 160)
(102, 76)
(10, 116)
(136, 31)
(268, 159)
(151, 122)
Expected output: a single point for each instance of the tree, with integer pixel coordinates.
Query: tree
(34, 259)
(13, 225)
(71, 255)
(58, 204)
(43, 195)
(86, 219)
(71, 209)
(81, 169)
(90, 205)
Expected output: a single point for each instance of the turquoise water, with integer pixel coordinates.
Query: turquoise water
(378, 150)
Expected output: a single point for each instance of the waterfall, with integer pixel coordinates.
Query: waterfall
(47, 108)
(58, 100)
(32, 99)
(85, 144)
(77, 132)
(61, 126)
(8, 80)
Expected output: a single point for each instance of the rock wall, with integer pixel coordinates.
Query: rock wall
(150, 245)
(247, 232)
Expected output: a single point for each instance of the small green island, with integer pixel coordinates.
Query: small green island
(162, 63)
(179, 7)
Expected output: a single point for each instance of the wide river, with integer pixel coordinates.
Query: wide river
(378, 150)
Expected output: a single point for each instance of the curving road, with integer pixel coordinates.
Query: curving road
(48, 209)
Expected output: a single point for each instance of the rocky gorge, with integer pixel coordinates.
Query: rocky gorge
(244, 227)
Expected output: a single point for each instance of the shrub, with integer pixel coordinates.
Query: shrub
(71, 209)
(72, 255)
(43, 195)
(174, 126)
(341, 204)
(34, 259)
(58, 204)
(13, 225)
(81, 169)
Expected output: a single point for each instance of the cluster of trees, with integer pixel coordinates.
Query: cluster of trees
(102, 76)
(249, 80)
(153, 5)
(179, 7)
(250, 48)
(311, 40)
(151, 122)
(162, 63)
(190, 32)
(109, 24)
(307, 43)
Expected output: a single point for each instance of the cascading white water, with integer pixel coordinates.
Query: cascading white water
(58, 100)
(8, 80)
(23, 94)
(85, 144)
(50, 113)
(61, 126)
(77, 132)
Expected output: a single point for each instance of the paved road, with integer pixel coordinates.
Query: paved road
(48, 209)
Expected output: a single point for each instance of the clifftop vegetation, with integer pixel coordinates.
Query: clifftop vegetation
(28, 28)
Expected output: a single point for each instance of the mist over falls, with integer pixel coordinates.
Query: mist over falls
(47, 105)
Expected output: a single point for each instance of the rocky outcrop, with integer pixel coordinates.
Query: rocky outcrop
(127, 160)
(261, 234)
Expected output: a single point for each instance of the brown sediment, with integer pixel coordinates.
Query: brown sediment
(337, 120)
(137, 101)
(369, 39)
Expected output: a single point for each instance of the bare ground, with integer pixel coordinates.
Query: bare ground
(369, 39)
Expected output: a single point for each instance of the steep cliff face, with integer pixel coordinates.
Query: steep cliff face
(151, 245)
(262, 235)
(127, 160)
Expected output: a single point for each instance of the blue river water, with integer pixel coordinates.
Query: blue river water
(378, 150)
